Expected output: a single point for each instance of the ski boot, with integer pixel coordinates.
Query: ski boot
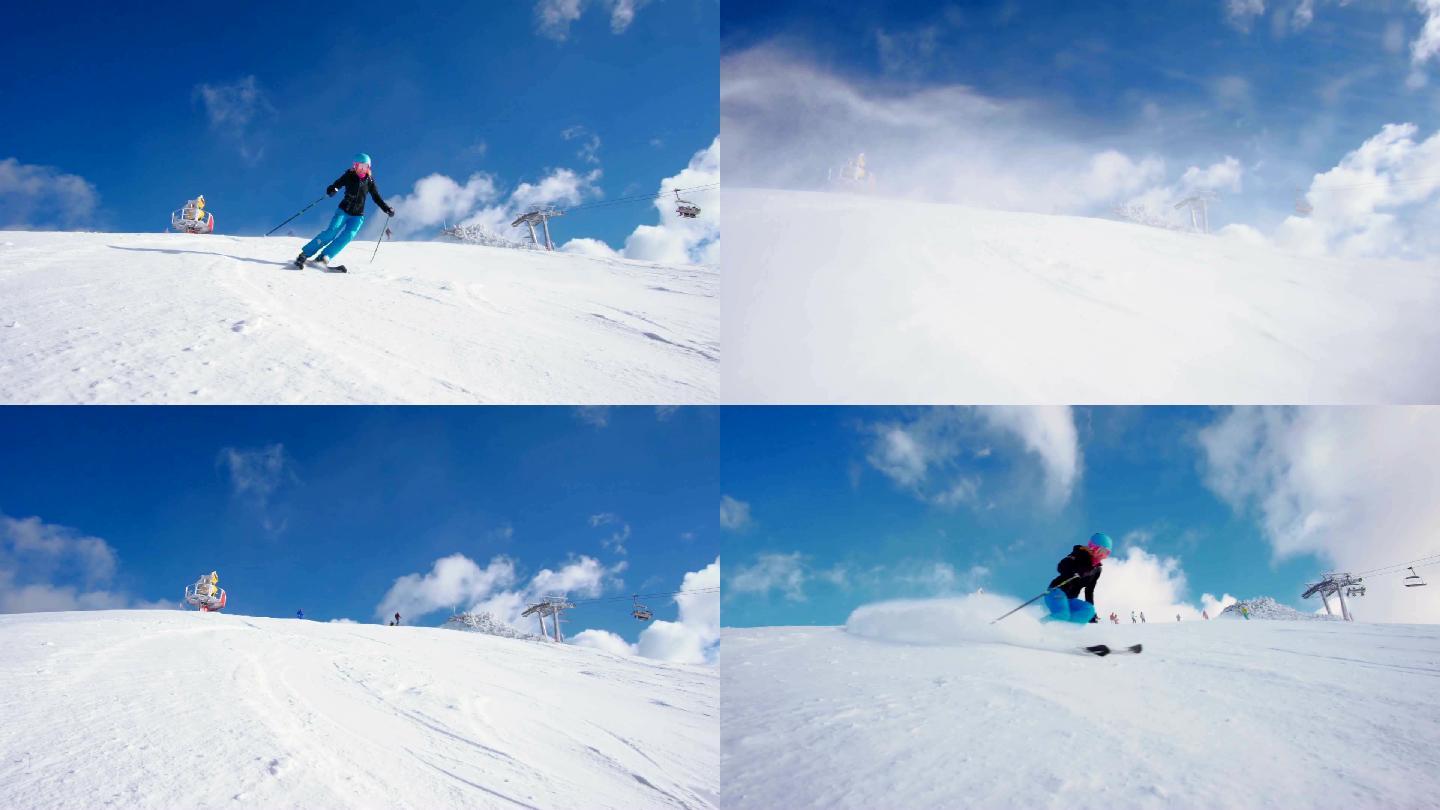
(300, 261)
(321, 260)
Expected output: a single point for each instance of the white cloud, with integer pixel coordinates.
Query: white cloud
(1427, 42)
(343, 621)
(1241, 13)
(458, 583)
(676, 239)
(932, 453)
(617, 539)
(1353, 486)
(597, 416)
(256, 475)
(1141, 581)
(437, 200)
(694, 638)
(784, 573)
(589, 143)
(603, 640)
(734, 514)
(453, 582)
(236, 111)
(47, 567)
(554, 17)
(793, 124)
(1048, 432)
(39, 197)
(1380, 200)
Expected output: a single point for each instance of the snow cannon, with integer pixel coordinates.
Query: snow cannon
(193, 218)
(205, 596)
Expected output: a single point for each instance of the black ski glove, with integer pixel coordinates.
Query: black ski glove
(390, 212)
(330, 191)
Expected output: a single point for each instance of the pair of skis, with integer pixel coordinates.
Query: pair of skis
(329, 268)
(1103, 650)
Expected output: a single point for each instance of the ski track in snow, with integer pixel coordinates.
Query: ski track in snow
(1258, 714)
(852, 299)
(159, 709)
(180, 318)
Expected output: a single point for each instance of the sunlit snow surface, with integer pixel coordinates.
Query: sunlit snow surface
(1225, 713)
(161, 709)
(853, 299)
(181, 318)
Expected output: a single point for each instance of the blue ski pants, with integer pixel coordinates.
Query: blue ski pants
(1064, 609)
(334, 238)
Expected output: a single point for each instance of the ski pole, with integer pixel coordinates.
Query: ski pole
(1041, 596)
(296, 214)
(383, 231)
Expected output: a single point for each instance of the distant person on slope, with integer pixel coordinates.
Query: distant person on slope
(1079, 570)
(358, 181)
(1245, 611)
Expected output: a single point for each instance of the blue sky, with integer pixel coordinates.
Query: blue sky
(832, 508)
(323, 508)
(1034, 90)
(259, 108)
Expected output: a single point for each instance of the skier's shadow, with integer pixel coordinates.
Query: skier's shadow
(200, 253)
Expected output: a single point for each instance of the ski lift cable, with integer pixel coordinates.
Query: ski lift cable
(1385, 570)
(641, 596)
(640, 198)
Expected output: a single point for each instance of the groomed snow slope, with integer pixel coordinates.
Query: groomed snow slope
(1213, 714)
(160, 709)
(852, 299)
(181, 318)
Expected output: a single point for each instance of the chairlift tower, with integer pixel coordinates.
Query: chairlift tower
(1341, 585)
(551, 606)
(542, 216)
(1199, 210)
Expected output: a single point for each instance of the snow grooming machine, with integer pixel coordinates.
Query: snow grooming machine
(193, 218)
(205, 596)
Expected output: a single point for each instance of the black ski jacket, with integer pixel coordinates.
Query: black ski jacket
(1078, 562)
(356, 187)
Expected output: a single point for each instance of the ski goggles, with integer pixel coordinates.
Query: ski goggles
(1099, 551)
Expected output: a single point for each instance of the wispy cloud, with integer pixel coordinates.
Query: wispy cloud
(734, 514)
(256, 475)
(43, 197)
(46, 567)
(615, 542)
(238, 112)
(457, 582)
(589, 143)
(553, 18)
(593, 415)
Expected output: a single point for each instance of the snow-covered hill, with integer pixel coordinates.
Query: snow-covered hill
(1265, 607)
(961, 714)
(853, 299)
(180, 318)
(162, 709)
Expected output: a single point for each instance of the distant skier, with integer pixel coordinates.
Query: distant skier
(1132, 617)
(1079, 570)
(300, 614)
(1206, 614)
(1142, 617)
(1177, 617)
(396, 623)
(358, 181)
(1114, 619)
(1245, 611)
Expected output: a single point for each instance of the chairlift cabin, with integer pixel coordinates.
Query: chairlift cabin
(641, 612)
(685, 208)
(1414, 580)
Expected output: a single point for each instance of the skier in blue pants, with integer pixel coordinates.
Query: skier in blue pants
(358, 182)
(1079, 570)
